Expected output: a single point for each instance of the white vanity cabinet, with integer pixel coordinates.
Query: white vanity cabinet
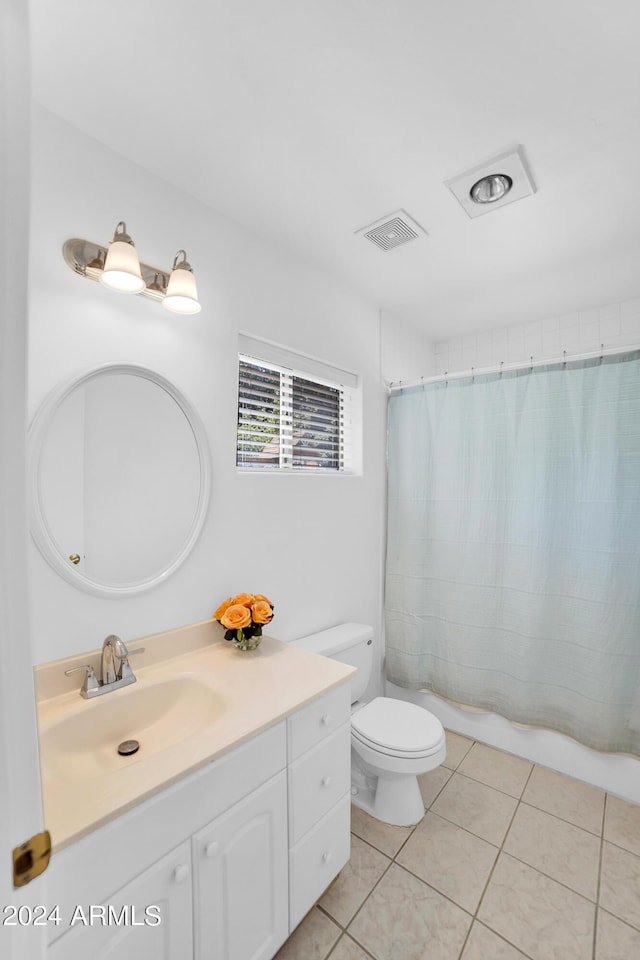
(233, 854)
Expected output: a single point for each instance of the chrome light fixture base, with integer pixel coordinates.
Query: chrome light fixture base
(87, 259)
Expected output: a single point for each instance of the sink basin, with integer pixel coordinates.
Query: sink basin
(84, 744)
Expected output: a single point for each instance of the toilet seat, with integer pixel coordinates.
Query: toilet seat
(397, 753)
(396, 728)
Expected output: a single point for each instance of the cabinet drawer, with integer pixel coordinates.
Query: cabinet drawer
(318, 858)
(318, 719)
(317, 780)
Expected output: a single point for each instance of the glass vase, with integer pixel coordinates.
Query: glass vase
(248, 643)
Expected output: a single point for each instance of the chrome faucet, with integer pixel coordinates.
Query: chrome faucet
(115, 669)
(114, 658)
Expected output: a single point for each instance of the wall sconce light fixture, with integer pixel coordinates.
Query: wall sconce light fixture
(122, 267)
(181, 295)
(117, 266)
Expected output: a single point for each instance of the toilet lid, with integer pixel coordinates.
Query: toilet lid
(397, 725)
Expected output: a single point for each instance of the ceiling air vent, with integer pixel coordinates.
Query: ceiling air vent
(393, 230)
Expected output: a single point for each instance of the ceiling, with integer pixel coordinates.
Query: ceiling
(306, 120)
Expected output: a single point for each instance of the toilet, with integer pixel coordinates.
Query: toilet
(392, 741)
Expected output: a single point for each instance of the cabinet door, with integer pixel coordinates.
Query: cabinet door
(149, 919)
(241, 878)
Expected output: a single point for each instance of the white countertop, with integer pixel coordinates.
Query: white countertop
(256, 689)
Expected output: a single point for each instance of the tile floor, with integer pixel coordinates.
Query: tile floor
(511, 862)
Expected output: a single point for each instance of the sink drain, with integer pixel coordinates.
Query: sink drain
(128, 747)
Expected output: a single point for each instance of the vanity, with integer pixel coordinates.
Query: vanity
(216, 838)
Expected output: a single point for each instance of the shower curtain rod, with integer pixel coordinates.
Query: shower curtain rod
(503, 367)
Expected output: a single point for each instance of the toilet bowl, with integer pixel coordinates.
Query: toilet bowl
(392, 741)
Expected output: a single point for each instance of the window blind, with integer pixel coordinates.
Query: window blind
(289, 420)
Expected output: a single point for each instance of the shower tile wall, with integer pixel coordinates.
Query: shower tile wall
(614, 325)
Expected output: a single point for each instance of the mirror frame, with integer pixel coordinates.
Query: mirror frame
(39, 527)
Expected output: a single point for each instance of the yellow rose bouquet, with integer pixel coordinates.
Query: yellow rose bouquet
(244, 616)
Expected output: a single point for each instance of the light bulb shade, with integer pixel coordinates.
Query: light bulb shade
(182, 293)
(122, 266)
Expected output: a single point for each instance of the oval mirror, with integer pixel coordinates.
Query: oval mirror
(120, 479)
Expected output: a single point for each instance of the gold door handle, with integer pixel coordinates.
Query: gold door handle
(75, 558)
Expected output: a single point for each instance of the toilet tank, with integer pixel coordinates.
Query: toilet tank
(350, 643)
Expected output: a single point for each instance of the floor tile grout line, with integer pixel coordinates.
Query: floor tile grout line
(599, 880)
(466, 829)
(410, 872)
(358, 944)
(343, 933)
(619, 846)
(376, 884)
(492, 871)
(391, 856)
(445, 896)
(490, 786)
(427, 808)
(372, 845)
(513, 855)
(549, 877)
(617, 916)
(571, 823)
(543, 873)
(626, 923)
(476, 836)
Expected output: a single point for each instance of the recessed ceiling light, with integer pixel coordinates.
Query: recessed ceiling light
(493, 184)
(491, 189)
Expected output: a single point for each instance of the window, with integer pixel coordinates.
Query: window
(293, 420)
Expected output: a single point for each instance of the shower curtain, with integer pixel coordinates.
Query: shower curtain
(513, 550)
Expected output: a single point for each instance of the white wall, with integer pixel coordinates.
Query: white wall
(313, 544)
(406, 353)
